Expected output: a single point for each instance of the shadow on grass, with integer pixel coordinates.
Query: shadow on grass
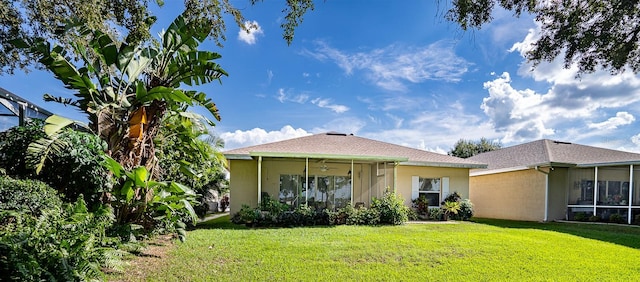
(224, 222)
(628, 236)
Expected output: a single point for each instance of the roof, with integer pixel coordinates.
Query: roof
(349, 147)
(547, 152)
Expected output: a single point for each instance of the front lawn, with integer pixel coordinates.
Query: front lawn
(469, 251)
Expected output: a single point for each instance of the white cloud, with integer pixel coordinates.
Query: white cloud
(621, 118)
(635, 139)
(285, 96)
(248, 36)
(256, 136)
(393, 67)
(524, 114)
(326, 103)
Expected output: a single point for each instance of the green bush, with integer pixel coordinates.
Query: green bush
(580, 216)
(247, 215)
(62, 244)
(74, 169)
(391, 208)
(13, 147)
(466, 210)
(421, 205)
(616, 218)
(29, 196)
(436, 214)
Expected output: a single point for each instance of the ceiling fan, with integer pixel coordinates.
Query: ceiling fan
(323, 167)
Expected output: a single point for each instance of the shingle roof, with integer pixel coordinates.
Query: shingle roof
(549, 152)
(343, 146)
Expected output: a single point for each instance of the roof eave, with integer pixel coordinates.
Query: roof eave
(328, 156)
(238, 157)
(442, 164)
(610, 164)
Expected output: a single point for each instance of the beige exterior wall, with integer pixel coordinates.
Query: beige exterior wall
(458, 179)
(517, 195)
(243, 184)
(558, 183)
(369, 180)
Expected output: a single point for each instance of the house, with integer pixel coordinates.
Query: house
(549, 180)
(331, 170)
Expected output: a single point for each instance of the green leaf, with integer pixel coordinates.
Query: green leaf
(113, 166)
(127, 189)
(55, 123)
(140, 176)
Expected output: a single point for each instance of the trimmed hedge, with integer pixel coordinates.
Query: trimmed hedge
(29, 196)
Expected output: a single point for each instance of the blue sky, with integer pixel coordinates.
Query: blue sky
(396, 72)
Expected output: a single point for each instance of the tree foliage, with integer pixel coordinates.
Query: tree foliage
(124, 20)
(591, 34)
(469, 148)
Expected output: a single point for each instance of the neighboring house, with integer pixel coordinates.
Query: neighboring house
(329, 163)
(549, 180)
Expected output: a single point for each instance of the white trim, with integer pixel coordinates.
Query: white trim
(415, 186)
(352, 173)
(444, 187)
(630, 193)
(259, 180)
(395, 177)
(500, 170)
(596, 188)
(546, 197)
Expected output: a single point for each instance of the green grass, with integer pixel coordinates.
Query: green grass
(487, 250)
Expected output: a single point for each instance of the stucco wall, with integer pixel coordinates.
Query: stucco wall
(243, 184)
(558, 185)
(517, 195)
(458, 179)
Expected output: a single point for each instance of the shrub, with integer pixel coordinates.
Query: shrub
(453, 197)
(450, 208)
(466, 210)
(13, 147)
(246, 215)
(616, 218)
(62, 244)
(594, 218)
(391, 208)
(436, 214)
(421, 205)
(580, 216)
(29, 196)
(73, 169)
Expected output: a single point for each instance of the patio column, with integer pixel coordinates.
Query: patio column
(595, 190)
(306, 180)
(259, 180)
(630, 193)
(352, 173)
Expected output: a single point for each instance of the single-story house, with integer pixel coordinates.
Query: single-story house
(549, 180)
(331, 170)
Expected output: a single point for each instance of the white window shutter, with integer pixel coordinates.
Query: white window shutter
(415, 186)
(445, 187)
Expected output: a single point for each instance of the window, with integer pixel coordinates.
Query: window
(325, 192)
(430, 189)
(290, 189)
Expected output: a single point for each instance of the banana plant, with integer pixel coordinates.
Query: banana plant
(127, 90)
(141, 196)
